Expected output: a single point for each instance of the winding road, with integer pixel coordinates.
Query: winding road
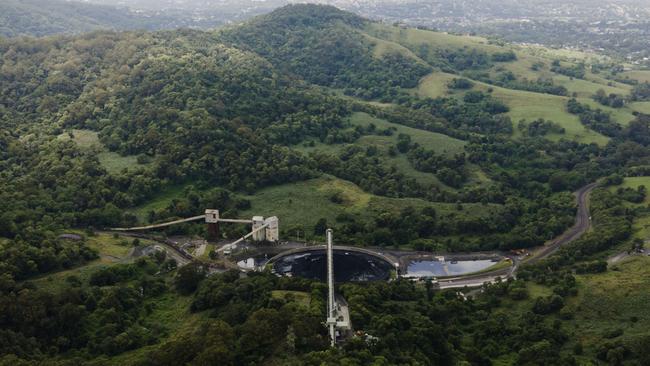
(582, 224)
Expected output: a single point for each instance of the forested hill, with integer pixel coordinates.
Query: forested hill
(48, 17)
(293, 95)
(326, 46)
(203, 109)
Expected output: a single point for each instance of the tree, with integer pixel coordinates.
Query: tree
(321, 227)
(189, 276)
(541, 353)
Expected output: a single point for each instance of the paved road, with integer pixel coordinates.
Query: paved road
(582, 224)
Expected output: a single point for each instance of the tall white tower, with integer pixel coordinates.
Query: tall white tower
(331, 305)
(272, 229)
(258, 222)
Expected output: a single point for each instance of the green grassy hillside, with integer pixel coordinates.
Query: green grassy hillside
(437, 142)
(640, 75)
(641, 107)
(530, 64)
(441, 144)
(411, 37)
(523, 105)
(301, 205)
(610, 304)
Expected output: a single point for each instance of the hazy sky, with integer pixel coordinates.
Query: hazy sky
(602, 9)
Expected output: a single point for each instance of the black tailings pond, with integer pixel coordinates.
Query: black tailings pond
(348, 266)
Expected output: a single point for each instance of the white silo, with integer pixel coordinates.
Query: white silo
(272, 229)
(258, 222)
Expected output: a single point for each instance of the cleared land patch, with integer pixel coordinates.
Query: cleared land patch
(159, 202)
(640, 75)
(412, 37)
(634, 183)
(111, 250)
(111, 161)
(523, 105)
(302, 204)
(384, 47)
(299, 297)
(641, 107)
(430, 140)
(441, 144)
(606, 302)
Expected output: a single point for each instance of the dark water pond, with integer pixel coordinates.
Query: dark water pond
(348, 266)
(428, 268)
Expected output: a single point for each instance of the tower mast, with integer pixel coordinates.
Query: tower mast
(331, 305)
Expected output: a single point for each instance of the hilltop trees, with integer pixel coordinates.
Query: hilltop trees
(322, 45)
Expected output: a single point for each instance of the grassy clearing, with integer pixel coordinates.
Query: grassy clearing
(111, 161)
(641, 228)
(562, 53)
(302, 204)
(115, 163)
(584, 88)
(412, 37)
(434, 85)
(634, 183)
(383, 47)
(404, 166)
(400, 162)
(587, 88)
(621, 115)
(640, 75)
(111, 250)
(523, 105)
(162, 200)
(110, 246)
(300, 297)
(83, 138)
(522, 67)
(519, 307)
(530, 106)
(441, 144)
(609, 301)
(56, 281)
(434, 141)
(641, 107)
(172, 312)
